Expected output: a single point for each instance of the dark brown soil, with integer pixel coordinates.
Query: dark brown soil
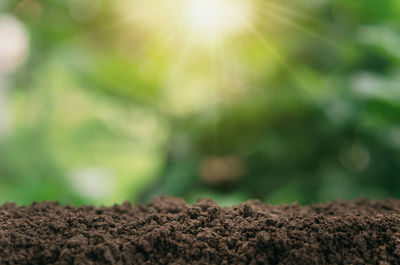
(168, 231)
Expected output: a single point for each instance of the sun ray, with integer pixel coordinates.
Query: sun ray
(237, 48)
(222, 67)
(181, 57)
(227, 64)
(84, 38)
(214, 111)
(164, 38)
(284, 9)
(280, 60)
(281, 17)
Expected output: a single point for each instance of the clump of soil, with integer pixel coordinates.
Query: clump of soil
(169, 231)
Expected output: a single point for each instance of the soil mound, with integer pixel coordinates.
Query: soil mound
(169, 231)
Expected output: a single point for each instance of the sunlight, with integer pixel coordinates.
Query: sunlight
(216, 19)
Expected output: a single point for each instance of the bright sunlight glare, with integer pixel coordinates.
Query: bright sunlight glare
(216, 19)
(200, 21)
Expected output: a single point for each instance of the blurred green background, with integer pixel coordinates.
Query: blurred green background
(103, 101)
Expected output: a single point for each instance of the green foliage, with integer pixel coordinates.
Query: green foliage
(307, 109)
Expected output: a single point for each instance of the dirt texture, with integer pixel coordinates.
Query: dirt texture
(169, 231)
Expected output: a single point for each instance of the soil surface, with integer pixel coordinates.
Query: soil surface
(169, 231)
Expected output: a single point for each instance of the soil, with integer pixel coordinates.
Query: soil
(169, 231)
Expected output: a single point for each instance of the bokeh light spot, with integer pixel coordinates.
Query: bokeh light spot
(14, 44)
(30, 10)
(84, 10)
